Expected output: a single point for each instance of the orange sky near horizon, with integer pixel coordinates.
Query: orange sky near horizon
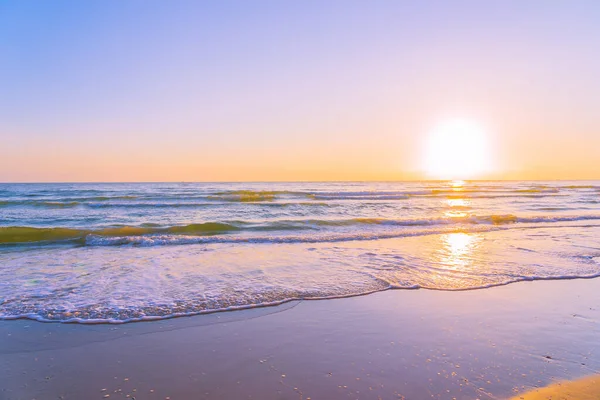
(316, 91)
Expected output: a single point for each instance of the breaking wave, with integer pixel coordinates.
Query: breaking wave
(22, 234)
(151, 233)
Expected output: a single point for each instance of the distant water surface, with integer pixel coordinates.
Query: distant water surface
(133, 251)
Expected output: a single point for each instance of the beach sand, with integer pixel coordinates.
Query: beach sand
(495, 343)
(587, 388)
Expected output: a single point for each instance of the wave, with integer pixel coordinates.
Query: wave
(38, 203)
(468, 219)
(153, 234)
(249, 196)
(538, 190)
(22, 234)
(581, 187)
(204, 204)
(155, 312)
(167, 240)
(100, 199)
(57, 204)
(105, 198)
(436, 193)
(67, 202)
(150, 205)
(362, 197)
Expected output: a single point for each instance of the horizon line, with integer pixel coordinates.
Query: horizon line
(304, 181)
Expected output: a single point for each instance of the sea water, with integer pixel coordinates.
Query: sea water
(120, 252)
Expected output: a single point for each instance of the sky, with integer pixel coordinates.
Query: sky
(224, 90)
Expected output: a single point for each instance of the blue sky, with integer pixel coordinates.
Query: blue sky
(261, 90)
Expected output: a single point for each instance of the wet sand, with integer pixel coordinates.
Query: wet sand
(493, 343)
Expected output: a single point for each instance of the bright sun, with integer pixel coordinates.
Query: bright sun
(456, 149)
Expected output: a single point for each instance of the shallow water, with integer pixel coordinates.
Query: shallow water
(124, 252)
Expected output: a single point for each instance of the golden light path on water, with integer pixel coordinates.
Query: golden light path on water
(459, 246)
(456, 250)
(456, 203)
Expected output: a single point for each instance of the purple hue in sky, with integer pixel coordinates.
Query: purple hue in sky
(236, 90)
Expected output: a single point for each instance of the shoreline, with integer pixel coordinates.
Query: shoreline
(488, 343)
(78, 321)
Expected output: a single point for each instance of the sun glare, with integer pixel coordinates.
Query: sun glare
(456, 149)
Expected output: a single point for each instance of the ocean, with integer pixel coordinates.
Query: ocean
(122, 252)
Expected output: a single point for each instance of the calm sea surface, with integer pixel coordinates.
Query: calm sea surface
(131, 251)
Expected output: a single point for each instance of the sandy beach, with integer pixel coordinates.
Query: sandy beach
(414, 344)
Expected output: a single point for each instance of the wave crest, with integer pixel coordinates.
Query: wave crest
(24, 234)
